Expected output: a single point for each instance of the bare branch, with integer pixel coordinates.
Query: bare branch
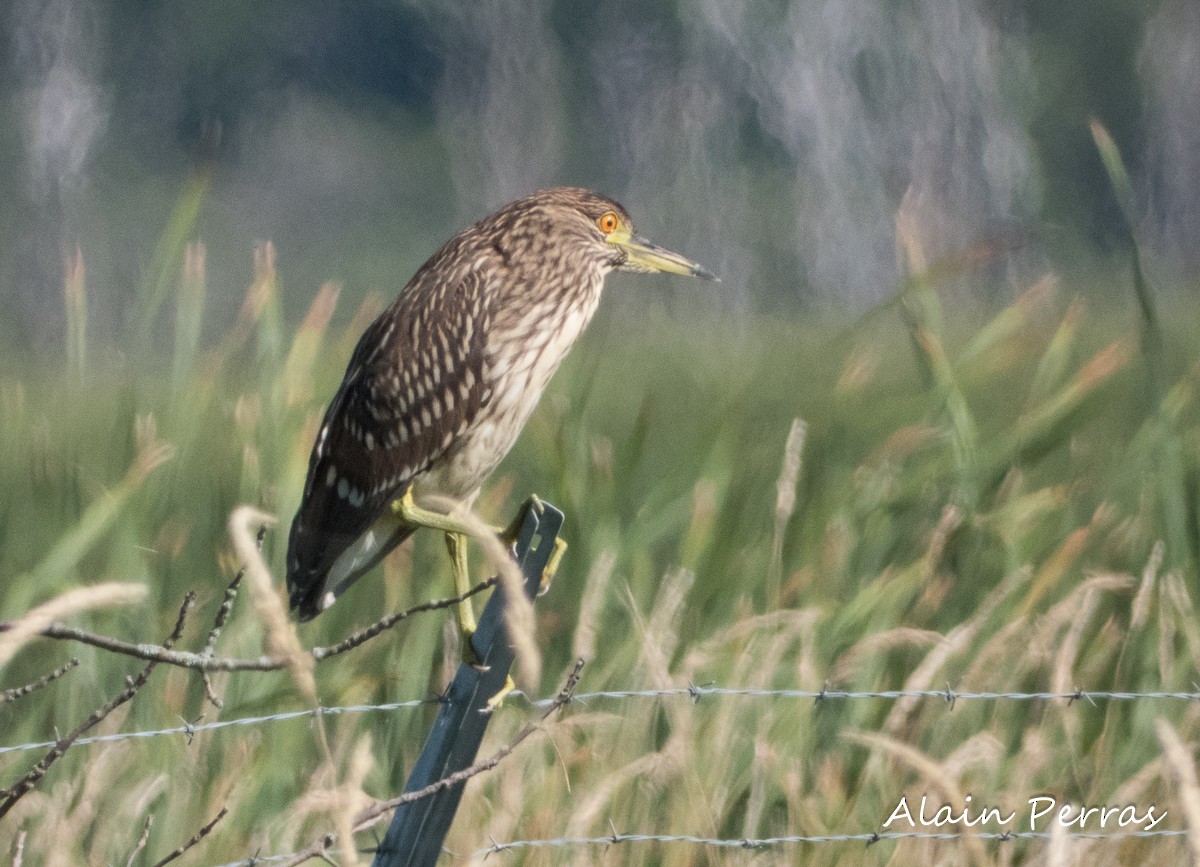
(227, 603)
(141, 843)
(196, 838)
(209, 692)
(10, 796)
(106, 595)
(380, 810)
(187, 659)
(219, 622)
(364, 635)
(22, 691)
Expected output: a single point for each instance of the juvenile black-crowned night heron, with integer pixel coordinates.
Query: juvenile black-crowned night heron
(441, 384)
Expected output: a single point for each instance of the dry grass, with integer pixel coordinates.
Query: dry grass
(995, 516)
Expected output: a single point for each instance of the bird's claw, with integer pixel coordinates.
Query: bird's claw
(560, 548)
(497, 701)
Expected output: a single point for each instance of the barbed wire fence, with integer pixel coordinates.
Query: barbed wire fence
(697, 694)
(692, 692)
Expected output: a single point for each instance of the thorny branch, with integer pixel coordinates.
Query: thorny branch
(378, 811)
(10, 796)
(196, 838)
(186, 659)
(22, 691)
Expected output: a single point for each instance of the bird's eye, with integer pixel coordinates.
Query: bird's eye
(608, 222)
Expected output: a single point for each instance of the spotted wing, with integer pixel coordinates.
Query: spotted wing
(414, 384)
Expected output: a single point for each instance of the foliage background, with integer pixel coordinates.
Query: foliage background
(980, 305)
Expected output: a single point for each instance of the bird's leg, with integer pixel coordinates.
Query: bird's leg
(456, 543)
(457, 533)
(413, 514)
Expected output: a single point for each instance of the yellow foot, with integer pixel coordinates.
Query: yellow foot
(560, 548)
(497, 700)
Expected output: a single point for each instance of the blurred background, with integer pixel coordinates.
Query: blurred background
(779, 143)
(939, 424)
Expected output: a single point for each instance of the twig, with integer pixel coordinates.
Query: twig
(225, 609)
(141, 843)
(187, 659)
(378, 811)
(19, 855)
(21, 691)
(209, 692)
(227, 603)
(10, 796)
(223, 613)
(364, 635)
(196, 838)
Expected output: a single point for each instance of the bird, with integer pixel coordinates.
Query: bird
(440, 385)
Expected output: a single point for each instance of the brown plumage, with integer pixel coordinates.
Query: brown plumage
(440, 385)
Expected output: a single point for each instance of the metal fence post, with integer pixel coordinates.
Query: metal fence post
(418, 829)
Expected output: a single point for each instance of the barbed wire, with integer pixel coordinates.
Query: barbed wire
(766, 842)
(750, 843)
(949, 695)
(190, 730)
(694, 692)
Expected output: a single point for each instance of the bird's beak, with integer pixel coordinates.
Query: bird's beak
(642, 255)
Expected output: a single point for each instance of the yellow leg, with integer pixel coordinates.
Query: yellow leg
(497, 701)
(414, 514)
(456, 543)
(457, 533)
(560, 548)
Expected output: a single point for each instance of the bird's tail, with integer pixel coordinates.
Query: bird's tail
(310, 592)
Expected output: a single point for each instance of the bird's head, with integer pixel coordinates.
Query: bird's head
(600, 228)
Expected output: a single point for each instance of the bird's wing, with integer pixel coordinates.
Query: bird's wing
(414, 383)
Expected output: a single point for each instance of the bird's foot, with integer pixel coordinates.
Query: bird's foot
(497, 701)
(509, 537)
(560, 548)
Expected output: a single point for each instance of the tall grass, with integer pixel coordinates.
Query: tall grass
(984, 507)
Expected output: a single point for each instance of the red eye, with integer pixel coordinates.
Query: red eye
(608, 222)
